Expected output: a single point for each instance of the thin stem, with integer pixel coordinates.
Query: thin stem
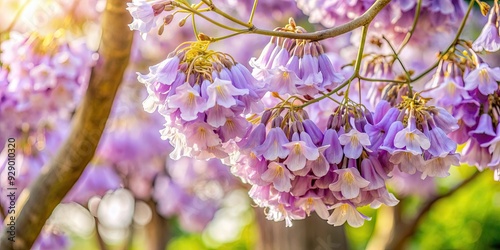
(362, 20)
(216, 39)
(380, 80)
(408, 76)
(195, 30)
(413, 26)
(254, 7)
(357, 66)
(452, 45)
(189, 9)
(359, 57)
(227, 16)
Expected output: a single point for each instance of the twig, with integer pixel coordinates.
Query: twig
(59, 175)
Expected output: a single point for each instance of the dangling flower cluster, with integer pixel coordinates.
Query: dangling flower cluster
(42, 78)
(293, 66)
(203, 96)
(489, 39)
(395, 20)
(469, 88)
(295, 168)
(417, 137)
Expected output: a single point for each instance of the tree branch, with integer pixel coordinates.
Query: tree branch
(362, 20)
(401, 236)
(59, 175)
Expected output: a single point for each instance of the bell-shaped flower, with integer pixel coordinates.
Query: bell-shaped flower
(441, 144)
(144, 16)
(439, 166)
(489, 39)
(484, 130)
(284, 81)
(279, 175)
(494, 149)
(312, 202)
(222, 92)
(235, 127)
(334, 152)
(407, 161)
(483, 78)
(201, 135)
(164, 72)
(346, 212)
(300, 150)
(273, 147)
(354, 141)
(320, 166)
(349, 182)
(188, 100)
(412, 139)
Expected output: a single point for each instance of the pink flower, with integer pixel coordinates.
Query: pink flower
(279, 175)
(346, 212)
(222, 92)
(300, 151)
(483, 78)
(349, 182)
(354, 142)
(144, 16)
(273, 147)
(188, 100)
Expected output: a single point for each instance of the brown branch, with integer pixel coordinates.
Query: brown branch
(60, 174)
(402, 236)
(362, 20)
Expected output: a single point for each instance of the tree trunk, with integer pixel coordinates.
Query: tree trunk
(313, 233)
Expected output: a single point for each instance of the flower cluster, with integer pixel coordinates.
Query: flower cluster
(295, 168)
(415, 136)
(293, 66)
(42, 78)
(203, 96)
(469, 88)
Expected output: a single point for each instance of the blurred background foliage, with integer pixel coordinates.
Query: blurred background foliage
(468, 219)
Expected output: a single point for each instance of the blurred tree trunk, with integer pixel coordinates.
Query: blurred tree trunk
(157, 230)
(313, 233)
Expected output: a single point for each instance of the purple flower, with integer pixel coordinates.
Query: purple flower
(489, 39)
(349, 182)
(312, 201)
(354, 141)
(222, 92)
(439, 166)
(274, 145)
(188, 101)
(279, 175)
(334, 152)
(494, 149)
(412, 139)
(300, 150)
(346, 212)
(145, 15)
(483, 78)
